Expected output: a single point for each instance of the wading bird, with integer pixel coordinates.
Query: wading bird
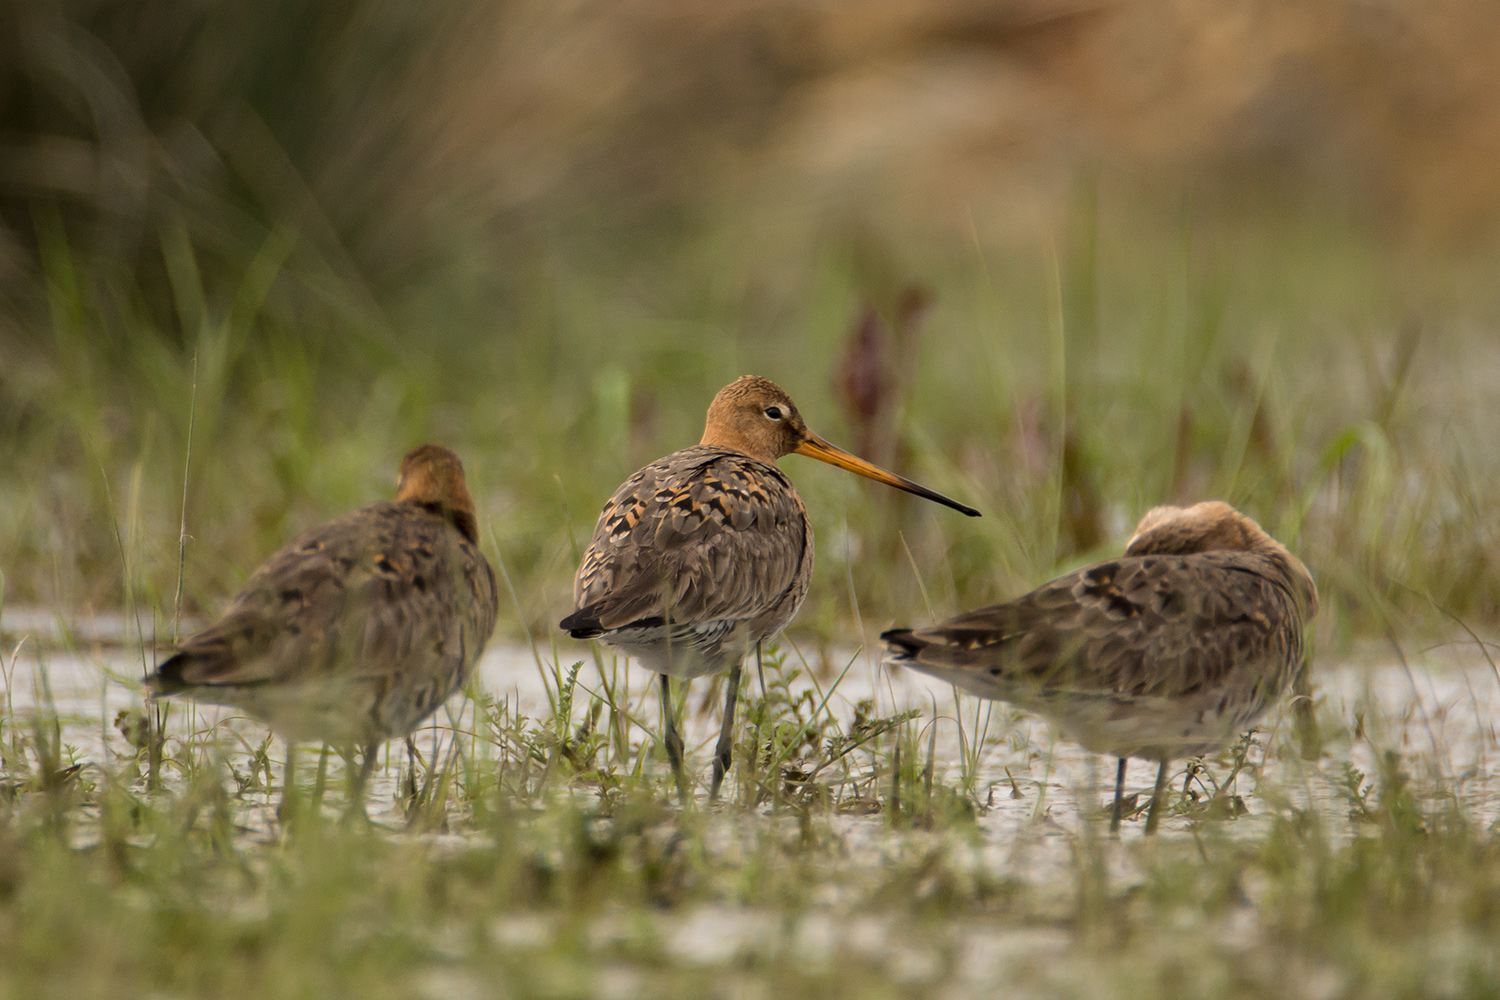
(1167, 652)
(357, 630)
(706, 553)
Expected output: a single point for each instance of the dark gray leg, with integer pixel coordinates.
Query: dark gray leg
(724, 752)
(760, 671)
(1114, 819)
(366, 765)
(321, 781)
(1157, 794)
(286, 809)
(356, 808)
(672, 739)
(409, 792)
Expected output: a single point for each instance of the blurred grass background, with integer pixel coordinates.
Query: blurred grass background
(1063, 260)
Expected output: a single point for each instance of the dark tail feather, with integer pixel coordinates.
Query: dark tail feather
(582, 624)
(188, 670)
(585, 624)
(901, 644)
(168, 677)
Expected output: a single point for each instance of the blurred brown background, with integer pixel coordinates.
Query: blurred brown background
(377, 129)
(1063, 258)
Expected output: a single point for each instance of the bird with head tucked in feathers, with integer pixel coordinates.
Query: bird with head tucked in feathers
(1169, 651)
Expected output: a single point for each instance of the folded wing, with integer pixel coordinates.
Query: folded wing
(1137, 626)
(706, 534)
(363, 597)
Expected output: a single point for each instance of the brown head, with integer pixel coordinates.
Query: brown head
(753, 415)
(433, 477)
(1213, 526)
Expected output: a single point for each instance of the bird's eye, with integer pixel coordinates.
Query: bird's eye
(773, 412)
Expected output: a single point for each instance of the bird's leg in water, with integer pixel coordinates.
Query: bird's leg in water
(1157, 794)
(724, 752)
(672, 739)
(290, 804)
(1114, 819)
(321, 781)
(356, 807)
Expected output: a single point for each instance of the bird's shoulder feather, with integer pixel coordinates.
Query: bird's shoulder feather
(366, 586)
(1137, 625)
(704, 533)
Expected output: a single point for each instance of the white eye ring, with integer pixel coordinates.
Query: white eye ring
(773, 413)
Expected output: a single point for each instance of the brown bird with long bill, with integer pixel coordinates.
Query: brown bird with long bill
(707, 553)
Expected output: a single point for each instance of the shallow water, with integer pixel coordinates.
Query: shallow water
(1436, 709)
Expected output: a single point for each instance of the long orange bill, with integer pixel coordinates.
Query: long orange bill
(816, 447)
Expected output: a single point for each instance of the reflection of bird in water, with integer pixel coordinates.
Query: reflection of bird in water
(358, 630)
(707, 552)
(1170, 651)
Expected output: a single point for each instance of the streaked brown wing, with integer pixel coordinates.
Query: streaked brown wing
(359, 597)
(703, 534)
(1150, 625)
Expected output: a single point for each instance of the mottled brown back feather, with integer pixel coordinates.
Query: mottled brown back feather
(1165, 652)
(1139, 625)
(356, 630)
(704, 534)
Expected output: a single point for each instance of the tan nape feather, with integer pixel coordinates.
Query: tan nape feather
(754, 415)
(1215, 526)
(1204, 527)
(433, 476)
